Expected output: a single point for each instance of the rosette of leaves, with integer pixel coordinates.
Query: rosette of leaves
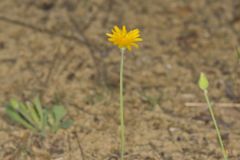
(39, 120)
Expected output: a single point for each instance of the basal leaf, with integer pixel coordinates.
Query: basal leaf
(38, 108)
(59, 112)
(15, 116)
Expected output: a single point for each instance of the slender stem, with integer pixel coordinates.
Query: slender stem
(122, 127)
(216, 126)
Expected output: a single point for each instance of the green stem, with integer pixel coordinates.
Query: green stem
(216, 126)
(122, 127)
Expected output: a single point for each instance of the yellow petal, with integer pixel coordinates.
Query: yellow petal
(109, 35)
(117, 29)
(138, 39)
(135, 45)
(124, 29)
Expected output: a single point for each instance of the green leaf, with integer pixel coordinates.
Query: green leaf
(38, 108)
(59, 112)
(203, 82)
(66, 124)
(45, 119)
(15, 116)
(52, 123)
(14, 104)
(23, 110)
(45, 116)
(34, 115)
(50, 118)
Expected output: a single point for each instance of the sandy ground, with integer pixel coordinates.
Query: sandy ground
(57, 49)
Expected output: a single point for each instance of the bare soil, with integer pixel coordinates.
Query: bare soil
(57, 49)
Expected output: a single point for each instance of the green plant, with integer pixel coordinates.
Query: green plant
(55, 118)
(124, 40)
(203, 85)
(39, 120)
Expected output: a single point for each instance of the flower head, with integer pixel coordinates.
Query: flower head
(124, 39)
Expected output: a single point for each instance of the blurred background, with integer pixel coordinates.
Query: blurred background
(58, 49)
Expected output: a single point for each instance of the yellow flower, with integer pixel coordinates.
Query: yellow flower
(124, 39)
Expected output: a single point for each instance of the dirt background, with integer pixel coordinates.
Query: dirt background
(58, 49)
